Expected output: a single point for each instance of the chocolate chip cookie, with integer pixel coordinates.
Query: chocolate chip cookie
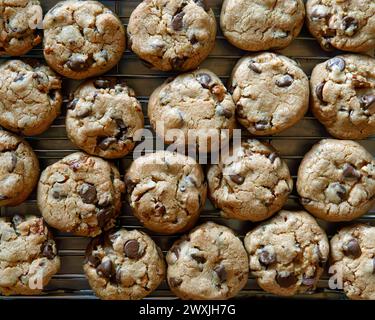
(196, 103)
(261, 25)
(19, 21)
(80, 194)
(344, 25)
(287, 253)
(30, 97)
(82, 38)
(166, 191)
(353, 260)
(19, 169)
(124, 265)
(343, 96)
(210, 263)
(271, 93)
(172, 34)
(336, 180)
(252, 184)
(28, 256)
(103, 118)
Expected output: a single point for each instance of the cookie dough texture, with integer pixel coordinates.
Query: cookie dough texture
(124, 265)
(343, 96)
(103, 118)
(255, 25)
(82, 38)
(19, 20)
(252, 184)
(271, 93)
(172, 34)
(80, 194)
(28, 256)
(198, 105)
(19, 169)
(344, 25)
(166, 191)
(210, 263)
(353, 258)
(30, 96)
(336, 180)
(287, 253)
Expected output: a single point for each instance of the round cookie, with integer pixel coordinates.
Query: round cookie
(287, 253)
(28, 256)
(353, 260)
(344, 25)
(82, 38)
(30, 97)
(124, 265)
(103, 118)
(336, 180)
(19, 169)
(210, 263)
(172, 34)
(19, 20)
(261, 25)
(343, 96)
(198, 105)
(80, 194)
(270, 91)
(252, 184)
(166, 191)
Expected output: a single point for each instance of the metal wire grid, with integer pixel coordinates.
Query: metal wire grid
(292, 144)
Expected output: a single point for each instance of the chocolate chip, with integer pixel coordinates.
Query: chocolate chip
(102, 84)
(273, 156)
(221, 273)
(340, 190)
(105, 269)
(104, 142)
(160, 209)
(47, 249)
(79, 63)
(3, 197)
(198, 258)
(177, 21)
(72, 104)
(182, 188)
(254, 67)
(193, 39)
(88, 193)
(131, 249)
(203, 4)
(174, 282)
(178, 62)
(204, 79)
(17, 219)
(337, 63)
(103, 216)
(266, 258)
(319, 91)
(93, 260)
(261, 125)
(123, 129)
(176, 251)
(286, 279)
(19, 77)
(224, 112)
(308, 281)
(350, 172)
(350, 23)
(368, 103)
(352, 249)
(236, 178)
(285, 81)
(118, 275)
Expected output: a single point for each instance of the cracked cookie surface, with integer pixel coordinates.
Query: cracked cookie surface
(353, 259)
(172, 34)
(255, 25)
(336, 180)
(287, 253)
(343, 96)
(124, 265)
(19, 169)
(166, 191)
(198, 105)
(210, 263)
(80, 194)
(19, 20)
(270, 91)
(252, 184)
(341, 24)
(103, 118)
(28, 255)
(82, 38)
(30, 96)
